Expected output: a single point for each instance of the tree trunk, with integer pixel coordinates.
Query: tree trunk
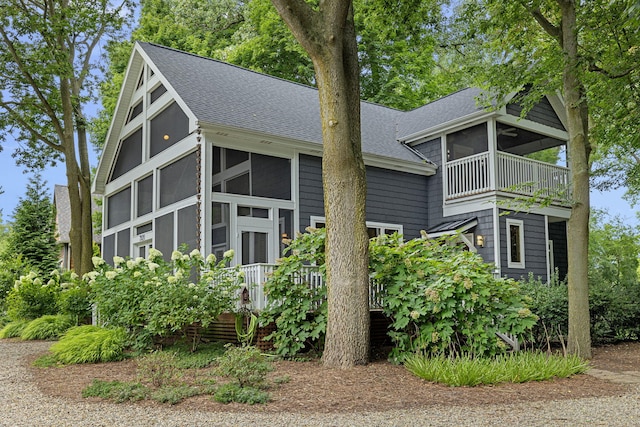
(328, 35)
(579, 340)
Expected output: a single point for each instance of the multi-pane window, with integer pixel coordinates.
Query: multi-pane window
(119, 207)
(515, 243)
(251, 174)
(167, 128)
(129, 155)
(178, 180)
(145, 196)
(374, 229)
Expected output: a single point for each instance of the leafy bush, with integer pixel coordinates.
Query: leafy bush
(73, 298)
(516, 367)
(158, 368)
(11, 268)
(47, 327)
(31, 297)
(299, 312)
(90, 344)
(13, 329)
(231, 392)
(174, 394)
(444, 300)
(244, 364)
(614, 309)
(152, 298)
(116, 390)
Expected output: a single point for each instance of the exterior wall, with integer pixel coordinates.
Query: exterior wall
(432, 150)
(392, 197)
(535, 246)
(558, 234)
(542, 113)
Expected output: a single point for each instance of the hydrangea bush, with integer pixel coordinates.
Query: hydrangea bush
(153, 298)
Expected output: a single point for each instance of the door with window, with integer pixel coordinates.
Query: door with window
(255, 241)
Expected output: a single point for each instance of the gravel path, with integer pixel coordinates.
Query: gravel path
(21, 404)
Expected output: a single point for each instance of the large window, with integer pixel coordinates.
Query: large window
(178, 180)
(515, 243)
(251, 174)
(129, 155)
(220, 232)
(467, 142)
(119, 207)
(164, 235)
(168, 127)
(145, 196)
(188, 227)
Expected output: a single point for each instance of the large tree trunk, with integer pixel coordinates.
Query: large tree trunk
(579, 340)
(328, 35)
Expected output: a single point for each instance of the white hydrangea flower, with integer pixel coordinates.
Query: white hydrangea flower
(74, 276)
(138, 260)
(172, 279)
(179, 274)
(110, 275)
(51, 282)
(191, 285)
(97, 261)
(195, 254)
(152, 266)
(117, 260)
(54, 273)
(414, 315)
(186, 257)
(137, 274)
(154, 254)
(32, 275)
(37, 281)
(211, 259)
(176, 255)
(229, 254)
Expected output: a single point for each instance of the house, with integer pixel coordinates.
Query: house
(63, 224)
(214, 156)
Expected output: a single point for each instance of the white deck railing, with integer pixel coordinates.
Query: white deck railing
(514, 174)
(255, 276)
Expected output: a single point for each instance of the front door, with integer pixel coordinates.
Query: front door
(255, 241)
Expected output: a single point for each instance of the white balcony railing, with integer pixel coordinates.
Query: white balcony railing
(255, 275)
(514, 174)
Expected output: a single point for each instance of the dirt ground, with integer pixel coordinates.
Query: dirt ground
(378, 386)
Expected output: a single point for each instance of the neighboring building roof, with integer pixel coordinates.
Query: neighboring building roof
(63, 214)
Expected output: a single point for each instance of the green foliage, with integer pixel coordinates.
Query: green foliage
(90, 344)
(13, 329)
(299, 312)
(442, 299)
(613, 308)
(244, 364)
(33, 229)
(47, 327)
(205, 356)
(153, 298)
(115, 390)
(158, 368)
(11, 268)
(516, 367)
(32, 297)
(174, 394)
(231, 392)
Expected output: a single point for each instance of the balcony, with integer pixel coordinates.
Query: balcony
(516, 175)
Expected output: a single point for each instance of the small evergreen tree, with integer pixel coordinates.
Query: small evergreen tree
(33, 231)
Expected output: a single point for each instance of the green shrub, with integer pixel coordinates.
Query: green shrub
(231, 392)
(244, 364)
(158, 368)
(299, 312)
(73, 300)
(153, 298)
(549, 302)
(13, 329)
(205, 356)
(444, 300)
(32, 297)
(174, 394)
(47, 327)
(90, 344)
(515, 367)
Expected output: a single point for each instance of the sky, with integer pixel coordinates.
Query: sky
(14, 183)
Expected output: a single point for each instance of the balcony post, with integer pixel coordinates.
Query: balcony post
(493, 154)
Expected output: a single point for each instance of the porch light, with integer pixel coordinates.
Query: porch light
(480, 240)
(166, 137)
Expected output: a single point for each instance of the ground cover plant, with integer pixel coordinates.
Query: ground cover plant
(13, 329)
(515, 367)
(47, 327)
(172, 375)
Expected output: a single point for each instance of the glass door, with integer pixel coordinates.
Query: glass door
(255, 241)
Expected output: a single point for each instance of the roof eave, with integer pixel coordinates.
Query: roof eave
(435, 130)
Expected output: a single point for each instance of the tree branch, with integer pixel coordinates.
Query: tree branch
(551, 29)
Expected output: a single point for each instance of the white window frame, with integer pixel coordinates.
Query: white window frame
(520, 224)
(379, 226)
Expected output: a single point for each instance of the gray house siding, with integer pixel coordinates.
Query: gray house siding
(535, 246)
(392, 197)
(432, 150)
(542, 113)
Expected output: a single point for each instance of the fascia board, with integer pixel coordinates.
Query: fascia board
(443, 127)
